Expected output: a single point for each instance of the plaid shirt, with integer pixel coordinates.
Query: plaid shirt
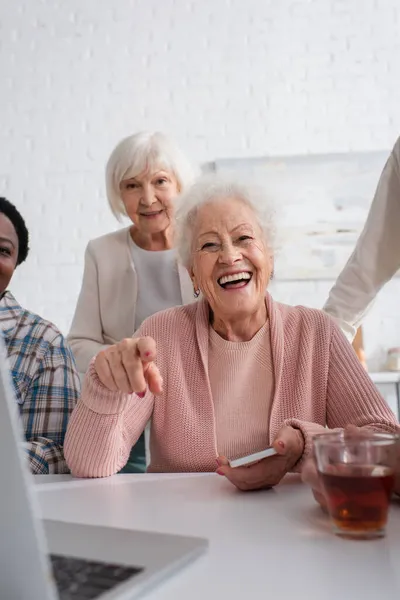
(46, 383)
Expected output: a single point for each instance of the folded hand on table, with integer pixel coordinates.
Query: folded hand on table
(289, 444)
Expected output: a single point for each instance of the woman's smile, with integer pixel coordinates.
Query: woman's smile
(235, 281)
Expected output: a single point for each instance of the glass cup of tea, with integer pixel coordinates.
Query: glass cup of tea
(357, 473)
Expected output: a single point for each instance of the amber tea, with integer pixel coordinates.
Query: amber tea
(358, 496)
(357, 475)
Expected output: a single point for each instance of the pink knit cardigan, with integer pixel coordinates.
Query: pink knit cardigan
(318, 382)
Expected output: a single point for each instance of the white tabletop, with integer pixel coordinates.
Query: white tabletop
(385, 377)
(274, 544)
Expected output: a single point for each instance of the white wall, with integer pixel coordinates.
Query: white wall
(225, 77)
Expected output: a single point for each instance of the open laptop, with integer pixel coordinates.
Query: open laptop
(49, 560)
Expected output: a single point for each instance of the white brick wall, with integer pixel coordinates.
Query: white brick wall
(225, 77)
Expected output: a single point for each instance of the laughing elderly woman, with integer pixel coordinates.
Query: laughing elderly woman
(226, 376)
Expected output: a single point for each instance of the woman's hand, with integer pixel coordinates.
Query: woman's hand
(289, 444)
(129, 367)
(309, 475)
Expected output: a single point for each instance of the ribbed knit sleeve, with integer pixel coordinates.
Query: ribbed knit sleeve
(352, 397)
(103, 428)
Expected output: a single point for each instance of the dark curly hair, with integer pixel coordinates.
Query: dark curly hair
(9, 210)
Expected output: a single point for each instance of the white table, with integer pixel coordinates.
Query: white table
(389, 377)
(385, 376)
(273, 545)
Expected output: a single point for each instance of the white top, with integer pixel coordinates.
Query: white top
(376, 257)
(158, 285)
(274, 544)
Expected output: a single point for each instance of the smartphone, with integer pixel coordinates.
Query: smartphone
(252, 458)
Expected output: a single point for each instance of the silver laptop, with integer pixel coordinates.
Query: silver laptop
(46, 560)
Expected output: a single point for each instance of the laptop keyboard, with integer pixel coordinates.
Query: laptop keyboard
(79, 579)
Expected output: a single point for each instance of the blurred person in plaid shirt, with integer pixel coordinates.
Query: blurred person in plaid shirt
(45, 378)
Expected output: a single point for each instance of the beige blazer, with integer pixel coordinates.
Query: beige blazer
(105, 312)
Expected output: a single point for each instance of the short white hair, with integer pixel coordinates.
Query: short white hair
(213, 188)
(144, 151)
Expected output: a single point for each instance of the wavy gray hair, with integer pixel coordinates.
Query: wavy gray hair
(145, 151)
(212, 188)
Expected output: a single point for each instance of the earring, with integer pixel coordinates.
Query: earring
(196, 293)
(272, 274)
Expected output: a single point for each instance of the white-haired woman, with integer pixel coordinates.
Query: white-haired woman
(133, 273)
(226, 376)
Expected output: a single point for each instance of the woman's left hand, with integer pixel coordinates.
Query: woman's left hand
(289, 445)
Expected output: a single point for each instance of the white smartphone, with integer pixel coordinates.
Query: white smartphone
(252, 458)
